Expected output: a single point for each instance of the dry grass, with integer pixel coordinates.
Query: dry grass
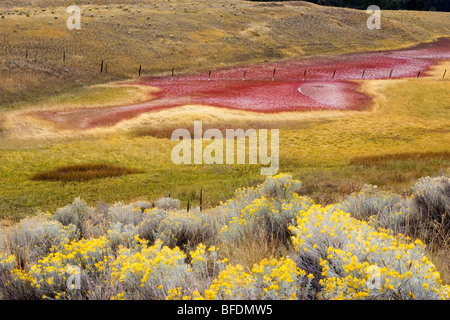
(253, 249)
(383, 160)
(201, 35)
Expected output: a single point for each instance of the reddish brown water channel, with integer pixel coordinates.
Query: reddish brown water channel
(301, 85)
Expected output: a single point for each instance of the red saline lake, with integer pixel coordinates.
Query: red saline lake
(302, 85)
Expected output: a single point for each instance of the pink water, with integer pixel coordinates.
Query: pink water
(300, 85)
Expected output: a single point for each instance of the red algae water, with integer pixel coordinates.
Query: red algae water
(302, 85)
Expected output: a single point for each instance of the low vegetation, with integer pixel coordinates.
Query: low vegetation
(142, 251)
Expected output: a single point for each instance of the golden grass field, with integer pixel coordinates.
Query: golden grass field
(403, 137)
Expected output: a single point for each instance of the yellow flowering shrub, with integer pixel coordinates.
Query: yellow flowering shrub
(272, 209)
(138, 252)
(49, 276)
(269, 279)
(149, 272)
(7, 262)
(176, 227)
(359, 262)
(205, 262)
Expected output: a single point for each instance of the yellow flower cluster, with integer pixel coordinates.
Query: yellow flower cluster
(359, 262)
(49, 276)
(7, 262)
(155, 268)
(269, 279)
(336, 255)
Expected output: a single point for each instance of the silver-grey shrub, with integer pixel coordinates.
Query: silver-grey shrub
(432, 199)
(75, 213)
(280, 187)
(132, 213)
(121, 234)
(33, 237)
(370, 202)
(167, 203)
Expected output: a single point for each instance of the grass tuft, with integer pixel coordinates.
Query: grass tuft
(83, 172)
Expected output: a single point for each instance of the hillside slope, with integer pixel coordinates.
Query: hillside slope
(186, 35)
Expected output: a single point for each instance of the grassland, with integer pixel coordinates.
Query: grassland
(403, 138)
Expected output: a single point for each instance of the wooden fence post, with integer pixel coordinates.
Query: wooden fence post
(201, 198)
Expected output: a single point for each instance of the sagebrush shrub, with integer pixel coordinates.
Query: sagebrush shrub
(432, 199)
(280, 187)
(137, 251)
(122, 235)
(33, 237)
(350, 250)
(132, 213)
(167, 203)
(266, 211)
(369, 202)
(75, 213)
(180, 228)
